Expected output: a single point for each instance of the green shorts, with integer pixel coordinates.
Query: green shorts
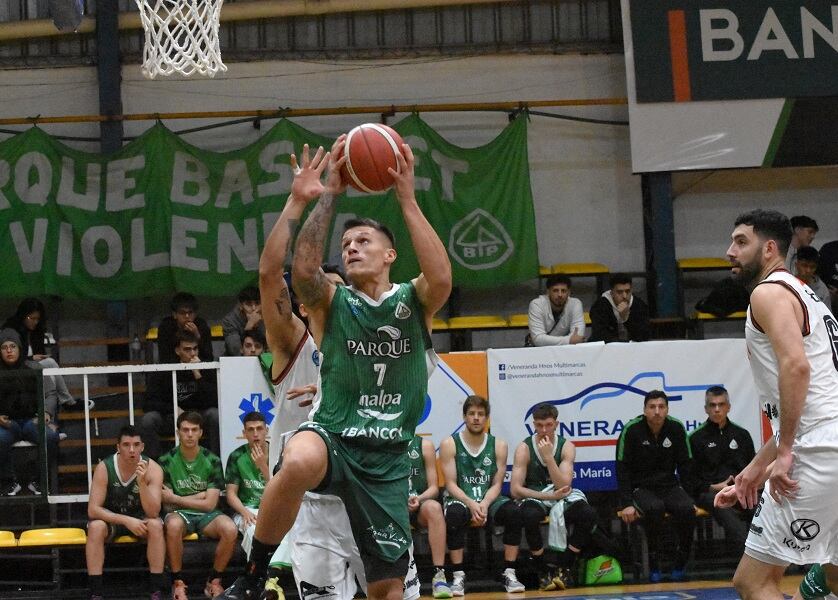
(195, 521)
(373, 485)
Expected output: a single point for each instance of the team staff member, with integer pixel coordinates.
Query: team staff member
(651, 448)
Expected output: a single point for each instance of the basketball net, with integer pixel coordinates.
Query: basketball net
(181, 36)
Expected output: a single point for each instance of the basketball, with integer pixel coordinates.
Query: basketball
(371, 149)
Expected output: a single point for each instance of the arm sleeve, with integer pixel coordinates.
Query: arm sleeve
(166, 341)
(699, 482)
(217, 479)
(638, 321)
(746, 452)
(537, 328)
(603, 323)
(231, 474)
(205, 346)
(624, 470)
(232, 335)
(685, 461)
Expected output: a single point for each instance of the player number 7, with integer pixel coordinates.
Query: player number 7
(380, 368)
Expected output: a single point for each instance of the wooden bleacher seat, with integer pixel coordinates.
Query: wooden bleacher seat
(544, 271)
(703, 264)
(216, 330)
(521, 320)
(439, 325)
(579, 269)
(7, 539)
(57, 536)
(478, 322)
(703, 316)
(151, 334)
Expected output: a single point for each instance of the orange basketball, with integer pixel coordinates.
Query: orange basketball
(371, 149)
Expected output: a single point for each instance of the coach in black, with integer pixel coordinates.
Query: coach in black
(721, 449)
(651, 448)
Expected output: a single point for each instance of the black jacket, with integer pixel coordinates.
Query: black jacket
(193, 394)
(646, 461)
(718, 453)
(167, 341)
(604, 323)
(18, 392)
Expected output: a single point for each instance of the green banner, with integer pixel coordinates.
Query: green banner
(162, 215)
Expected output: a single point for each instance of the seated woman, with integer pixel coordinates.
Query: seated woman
(29, 321)
(18, 412)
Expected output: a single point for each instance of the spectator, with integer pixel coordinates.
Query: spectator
(720, 449)
(542, 474)
(828, 271)
(196, 390)
(247, 474)
(804, 230)
(651, 448)
(192, 482)
(474, 464)
(184, 318)
(247, 315)
(618, 315)
(125, 499)
(425, 510)
(29, 321)
(556, 319)
(18, 413)
(253, 343)
(805, 266)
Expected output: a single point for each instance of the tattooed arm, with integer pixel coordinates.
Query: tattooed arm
(313, 288)
(283, 329)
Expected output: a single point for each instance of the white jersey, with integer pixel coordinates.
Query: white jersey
(820, 342)
(303, 369)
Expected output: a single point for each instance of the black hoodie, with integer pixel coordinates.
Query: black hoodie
(18, 383)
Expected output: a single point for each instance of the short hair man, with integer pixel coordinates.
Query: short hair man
(618, 315)
(246, 474)
(125, 499)
(542, 473)
(197, 390)
(184, 317)
(192, 483)
(253, 343)
(474, 465)
(721, 449)
(245, 316)
(555, 318)
(651, 448)
(790, 338)
(803, 232)
(805, 267)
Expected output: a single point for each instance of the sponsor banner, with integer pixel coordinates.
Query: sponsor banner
(161, 215)
(598, 388)
(244, 388)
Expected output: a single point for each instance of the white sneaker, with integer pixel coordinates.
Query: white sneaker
(458, 583)
(511, 583)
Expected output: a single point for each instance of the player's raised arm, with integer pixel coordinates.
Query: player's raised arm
(282, 328)
(433, 285)
(313, 288)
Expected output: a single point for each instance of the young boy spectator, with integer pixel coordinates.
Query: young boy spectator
(253, 343)
(247, 315)
(184, 317)
(192, 483)
(125, 498)
(805, 267)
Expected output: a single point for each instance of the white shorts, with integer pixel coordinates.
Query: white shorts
(324, 555)
(803, 530)
(247, 531)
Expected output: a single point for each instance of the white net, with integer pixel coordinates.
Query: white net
(181, 36)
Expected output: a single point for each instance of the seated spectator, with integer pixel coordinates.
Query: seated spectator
(18, 413)
(125, 497)
(805, 266)
(474, 464)
(542, 474)
(721, 449)
(618, 315)
(29, 321)
(828, 271)
(253, 343)
(184, 318)
(651, 448)
(246, 475)
(192, 482)
(247, 315)
(804, 230)
(425, 510)
(196, 390)
(555, 318)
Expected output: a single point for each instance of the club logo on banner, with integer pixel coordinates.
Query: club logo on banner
(598, 388)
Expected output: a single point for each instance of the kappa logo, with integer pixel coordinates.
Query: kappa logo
(805, 529)
(666, 443)
(479, 241)
(403, 311)
(487, 462)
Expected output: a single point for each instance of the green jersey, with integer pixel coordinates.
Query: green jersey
(122, 497)
(475, 472)
(374, 376)
(418, 476)
(185, 477)
(243, 472)
(538, 477)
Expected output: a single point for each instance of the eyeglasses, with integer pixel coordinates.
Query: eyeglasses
(8, 347)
